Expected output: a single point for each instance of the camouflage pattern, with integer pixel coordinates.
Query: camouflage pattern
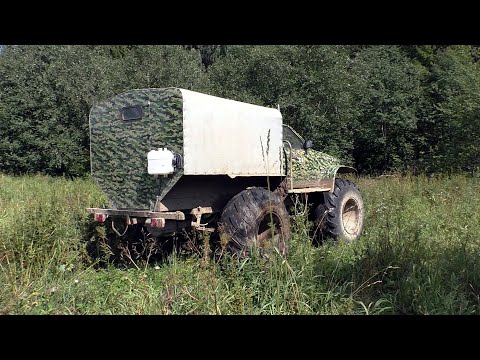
(313, 165)
(119, 148)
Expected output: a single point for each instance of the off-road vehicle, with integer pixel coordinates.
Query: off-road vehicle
(170, 159)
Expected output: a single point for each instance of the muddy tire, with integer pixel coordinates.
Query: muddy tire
(245, 223)
(341, 214)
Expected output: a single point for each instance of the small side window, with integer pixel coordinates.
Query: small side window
(132, 112)
(291, 136)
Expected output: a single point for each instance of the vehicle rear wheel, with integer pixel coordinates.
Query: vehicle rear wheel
(341, 213)
(255, 218)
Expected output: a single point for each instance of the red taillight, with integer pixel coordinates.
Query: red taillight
(158, 223)
(99, 217)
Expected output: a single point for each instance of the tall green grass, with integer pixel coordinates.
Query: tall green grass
(419, 254)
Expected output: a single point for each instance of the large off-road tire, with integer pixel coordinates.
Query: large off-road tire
(341, 214)
(245, 223)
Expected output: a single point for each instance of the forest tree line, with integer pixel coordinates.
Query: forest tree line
(380, 108)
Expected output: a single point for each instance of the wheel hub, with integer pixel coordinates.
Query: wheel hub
(351, 216)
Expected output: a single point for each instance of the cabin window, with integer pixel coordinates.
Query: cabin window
(132, 112)
(292, 137)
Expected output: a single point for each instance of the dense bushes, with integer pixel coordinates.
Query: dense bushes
(381, 108)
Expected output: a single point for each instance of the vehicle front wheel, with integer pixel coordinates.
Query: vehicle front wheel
(341, 213)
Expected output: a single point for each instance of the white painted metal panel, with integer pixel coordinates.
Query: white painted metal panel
(222, 136)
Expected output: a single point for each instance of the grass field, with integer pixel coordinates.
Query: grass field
(419, 254)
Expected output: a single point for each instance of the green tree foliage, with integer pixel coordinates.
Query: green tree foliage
(455, 90)
(45, 96)
(382, 108)
(209, 53)
(387, 92)
(46, 93)
(164, 66)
